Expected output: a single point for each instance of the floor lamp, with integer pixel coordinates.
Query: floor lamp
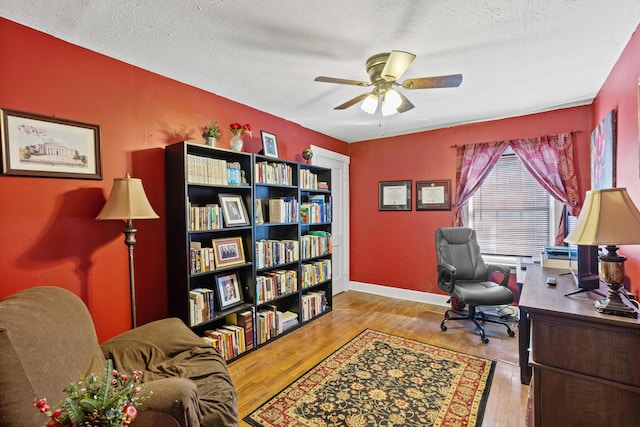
(128, 201)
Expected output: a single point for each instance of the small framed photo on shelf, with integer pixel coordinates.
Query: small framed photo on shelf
(394, 195)
(269, 144)
(233, 210)
(228, 252)
(433, 195)
(228, 290)
(43, 146)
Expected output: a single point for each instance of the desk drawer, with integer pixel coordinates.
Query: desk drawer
(595, 349)
(564, 399)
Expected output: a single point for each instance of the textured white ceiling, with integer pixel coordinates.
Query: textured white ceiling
(516, 56)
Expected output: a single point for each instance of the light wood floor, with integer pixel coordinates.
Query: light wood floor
(264, 372)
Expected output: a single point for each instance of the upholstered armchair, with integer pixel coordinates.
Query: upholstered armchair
(48, 340)
(463, 275)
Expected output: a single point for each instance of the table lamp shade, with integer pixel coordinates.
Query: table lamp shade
(127, 201)
(608, 217)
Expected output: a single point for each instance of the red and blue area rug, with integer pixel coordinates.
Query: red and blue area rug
(377, 379)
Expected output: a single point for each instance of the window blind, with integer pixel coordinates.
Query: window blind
(511, 211)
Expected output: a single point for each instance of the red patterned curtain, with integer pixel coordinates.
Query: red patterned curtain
(473, 164)
(550, 160)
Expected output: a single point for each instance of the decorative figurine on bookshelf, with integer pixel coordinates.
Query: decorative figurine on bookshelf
(307, 154)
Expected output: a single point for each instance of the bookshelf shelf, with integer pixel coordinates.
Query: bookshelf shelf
(276, 298)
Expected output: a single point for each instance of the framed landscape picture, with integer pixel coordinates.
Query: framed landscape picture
(42, 146)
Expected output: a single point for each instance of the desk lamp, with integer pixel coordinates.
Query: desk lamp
(128, 201)
(609, 217)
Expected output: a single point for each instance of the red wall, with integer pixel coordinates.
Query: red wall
(397, 248)
(620, 92)
(48, 234)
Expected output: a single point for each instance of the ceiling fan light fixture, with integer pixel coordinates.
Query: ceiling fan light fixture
(370, 104)
(392, 99)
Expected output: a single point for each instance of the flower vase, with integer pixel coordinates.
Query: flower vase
(236, 143)
(211, 141)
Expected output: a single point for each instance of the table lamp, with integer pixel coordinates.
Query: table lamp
(128, 201)
(609, 217)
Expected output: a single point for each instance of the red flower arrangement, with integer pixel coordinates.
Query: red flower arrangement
(236, 128)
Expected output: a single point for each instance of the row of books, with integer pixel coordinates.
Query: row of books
(271, 322)
(228, 339)
(316, 210)
(270, 253)
(207, 217)
(201, 308)
(247, 329)
(315, 243)
(316, 272)
(313, 304)
(283, 209)
(274, 284)
(201, 259)
(308, 180)
(273, 173)
(207, 170)
(235, 337)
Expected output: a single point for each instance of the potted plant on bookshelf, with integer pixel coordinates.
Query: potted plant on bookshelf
(212, 132)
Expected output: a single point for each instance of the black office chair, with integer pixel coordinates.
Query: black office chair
(463, 274)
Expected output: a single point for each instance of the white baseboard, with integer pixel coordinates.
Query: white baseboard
(406, 294)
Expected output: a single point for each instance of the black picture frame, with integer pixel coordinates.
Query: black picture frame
(228, 291)
(394, 195)
(269, 144)
(233, 210)
(49, 147)
(433, 195)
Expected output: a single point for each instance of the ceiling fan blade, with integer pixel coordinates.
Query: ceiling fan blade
(406, 104)
(396, 65)
(352, 101)
(341, 81)
(452, 80)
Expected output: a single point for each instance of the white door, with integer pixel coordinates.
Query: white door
(339, 165)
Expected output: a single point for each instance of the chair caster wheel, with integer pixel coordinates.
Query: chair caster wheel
(442, 327)
(511, 333)
(485, 340)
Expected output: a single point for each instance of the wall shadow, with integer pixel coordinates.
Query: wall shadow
(72, 234)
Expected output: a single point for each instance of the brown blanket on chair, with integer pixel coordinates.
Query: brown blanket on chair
(167, 349)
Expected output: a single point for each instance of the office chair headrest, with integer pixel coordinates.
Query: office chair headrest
(457, 235)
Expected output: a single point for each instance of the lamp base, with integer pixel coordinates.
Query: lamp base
(614, 305)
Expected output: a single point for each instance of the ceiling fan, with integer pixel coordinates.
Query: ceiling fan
(384, 70)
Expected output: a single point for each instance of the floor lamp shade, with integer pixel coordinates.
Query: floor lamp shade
(128, 201)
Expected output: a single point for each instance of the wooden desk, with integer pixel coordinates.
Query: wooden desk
(585, 367)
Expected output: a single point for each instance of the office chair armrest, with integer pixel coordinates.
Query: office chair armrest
(506, 272)
(446, 277)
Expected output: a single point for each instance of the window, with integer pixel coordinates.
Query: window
(511, 212)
